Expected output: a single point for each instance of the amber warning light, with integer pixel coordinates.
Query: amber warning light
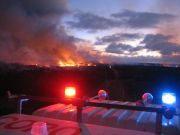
(70, 92)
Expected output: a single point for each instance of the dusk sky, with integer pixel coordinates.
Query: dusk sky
(55, 32)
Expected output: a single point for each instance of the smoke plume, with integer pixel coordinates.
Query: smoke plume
(31, 32)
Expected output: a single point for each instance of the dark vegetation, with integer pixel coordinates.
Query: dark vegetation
(123, 82)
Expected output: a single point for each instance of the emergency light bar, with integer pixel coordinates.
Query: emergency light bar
(70, 92)
(80, 103)
(102, 95)
(168, 98)
(169, 103)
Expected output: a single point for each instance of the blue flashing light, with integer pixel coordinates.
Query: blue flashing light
(169, 98)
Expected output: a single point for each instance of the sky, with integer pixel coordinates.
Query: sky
(76, 32)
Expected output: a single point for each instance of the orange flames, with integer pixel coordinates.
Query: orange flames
(71, 63)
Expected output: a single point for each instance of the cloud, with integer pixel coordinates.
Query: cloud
(142, 19)
(170, 52)
(132, 59)
(126, 18)
(118, 37)
(175, 59)
(91, 21)
(120, 48)
(31, 32)
(161, 43)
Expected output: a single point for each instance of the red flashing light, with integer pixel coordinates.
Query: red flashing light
(70, 92)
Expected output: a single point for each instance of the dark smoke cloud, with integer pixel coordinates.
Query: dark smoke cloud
(31, 32)
(36, 7)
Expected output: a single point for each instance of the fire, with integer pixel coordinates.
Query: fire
(69, 58)
(67, 64)
(71, 63)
